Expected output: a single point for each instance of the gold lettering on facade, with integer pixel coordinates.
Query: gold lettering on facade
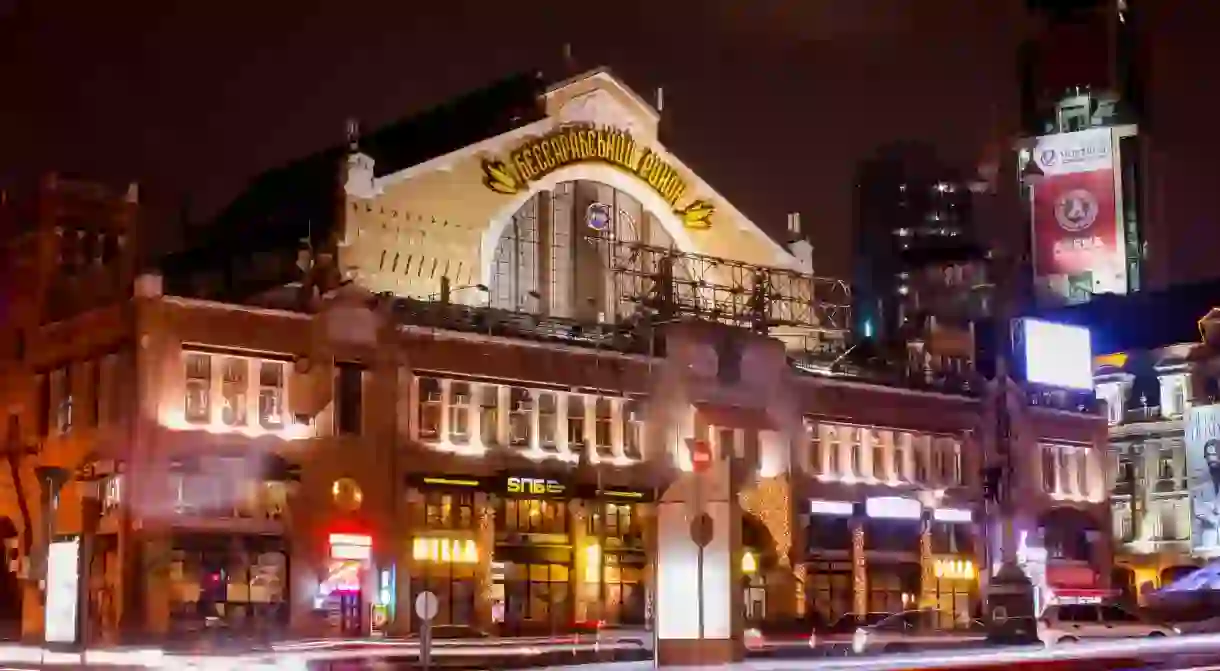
(581, 143)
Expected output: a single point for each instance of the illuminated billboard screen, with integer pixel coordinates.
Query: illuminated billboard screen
(1057, 355)
(63, 573)
(1078, 240)
(1203, 478)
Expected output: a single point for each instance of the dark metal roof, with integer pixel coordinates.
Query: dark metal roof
(286, 205)
(1145, 320)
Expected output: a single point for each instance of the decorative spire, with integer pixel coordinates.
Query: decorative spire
(353, 134)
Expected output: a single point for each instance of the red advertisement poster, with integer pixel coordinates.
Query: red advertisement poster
(1075, 227)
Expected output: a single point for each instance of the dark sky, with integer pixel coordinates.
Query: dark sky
(772, 101)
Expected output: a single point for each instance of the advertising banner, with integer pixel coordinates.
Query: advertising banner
(1203, 478)
(1078, 242)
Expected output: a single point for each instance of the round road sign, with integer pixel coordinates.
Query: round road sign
(426, 605)
(701, 530)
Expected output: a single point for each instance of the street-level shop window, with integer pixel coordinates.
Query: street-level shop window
(831, 593)
(538, 516)
(239, 580)
(618, 523)
(454, 585)
(829, 532)
(537, 598)
(622, 595)
(954, 606)
(950, 538)
(438, 509)
(892, 588)
(429, 408)
(891, 535)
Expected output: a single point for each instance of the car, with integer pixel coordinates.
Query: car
(1068, 623)
(922, 629)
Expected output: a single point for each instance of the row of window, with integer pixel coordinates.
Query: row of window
(80, 394)
(1065, 471)
(492, 415)
(844, 452)
(440, 510)
(1164, 520)
(1173, 401)
(238, 391)
(1161, 463)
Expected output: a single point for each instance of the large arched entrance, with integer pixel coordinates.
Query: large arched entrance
(580, 251)
(758, 558)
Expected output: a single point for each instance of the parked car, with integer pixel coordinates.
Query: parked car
(1069, 623)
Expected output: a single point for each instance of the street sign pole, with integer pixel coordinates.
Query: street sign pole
(426, 607)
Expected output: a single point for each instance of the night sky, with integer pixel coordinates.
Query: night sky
(772, 101)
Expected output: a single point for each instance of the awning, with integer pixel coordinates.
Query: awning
(734, 417)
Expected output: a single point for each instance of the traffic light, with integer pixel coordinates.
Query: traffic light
(991, 482)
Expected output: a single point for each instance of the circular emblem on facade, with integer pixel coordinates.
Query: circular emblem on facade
(1049, 157)
(347, 494)
(1076, 210)
(597, 216)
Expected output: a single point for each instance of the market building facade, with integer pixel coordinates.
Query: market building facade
(477, 365)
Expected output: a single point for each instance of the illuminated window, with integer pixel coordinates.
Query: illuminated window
(882, 442)
(349, 399)
(815, 445)
(489, 414)
(576, 422)
(520, 417)
(429, 408)
(633, 429)
(547, 420)
(1049, 469)
(459, 412)
(233, 388)
(198, 387)
(922, 447)
(271, 394)
(603, 436)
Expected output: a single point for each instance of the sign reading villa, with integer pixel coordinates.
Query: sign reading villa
(539, 157)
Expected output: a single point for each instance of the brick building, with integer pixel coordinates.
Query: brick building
(468, 353)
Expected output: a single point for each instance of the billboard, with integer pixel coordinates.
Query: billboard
(1203, 478)
(1057, 355)
(1079, 249)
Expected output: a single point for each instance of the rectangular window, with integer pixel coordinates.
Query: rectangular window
(459, 412)
(881, 441)
(349, 399)
(1082, 471)
(113, 392)
(633, 429)
(271, 394)
(1049, 469)
(922, 446)
(429, 408)
(489, 414)
(547, 420)
(815, 446)
(576, 422)
(198, 387)
(61, 390)
(94, 395)
(520, 417)
(602, 434)
(233, 388)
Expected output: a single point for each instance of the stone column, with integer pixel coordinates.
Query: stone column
(859, 569)
(927, 564)
(584, 606)
(485, 541)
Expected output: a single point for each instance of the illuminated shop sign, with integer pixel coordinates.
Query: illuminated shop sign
(534, 486)
(445, 550)
(955, 569)
(837, 508)
(961, 515)
(357, 547)
(894, 508)
(582, 143)
(450, 481)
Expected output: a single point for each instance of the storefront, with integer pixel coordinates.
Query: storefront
(559, 554)
(239, 580)
(892, 533)
(828, 571)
